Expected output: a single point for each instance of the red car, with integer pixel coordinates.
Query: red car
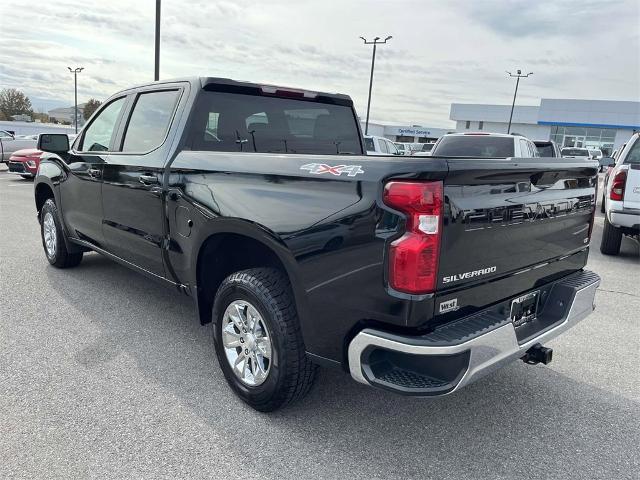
(25, 162)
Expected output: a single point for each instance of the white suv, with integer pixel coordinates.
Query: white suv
(622, 198)
(490, 145)
(380, 146)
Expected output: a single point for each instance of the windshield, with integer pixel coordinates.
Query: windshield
(545, 150)
(233, 122)
(575, 152)
(474, 146)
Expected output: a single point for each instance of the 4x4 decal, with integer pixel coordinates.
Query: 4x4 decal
(321, 168)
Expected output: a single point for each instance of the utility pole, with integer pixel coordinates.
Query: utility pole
(518, 75)
(75, 72)
(376, 41)
(156, 75)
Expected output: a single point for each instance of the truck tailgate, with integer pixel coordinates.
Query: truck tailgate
(632, 187)
(503, 216)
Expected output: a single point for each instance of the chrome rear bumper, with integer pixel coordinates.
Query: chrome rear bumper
(481, 344)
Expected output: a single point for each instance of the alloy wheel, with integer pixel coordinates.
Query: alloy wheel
(50, 234)
(246, 343)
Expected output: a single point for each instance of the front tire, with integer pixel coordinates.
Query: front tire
(611, 239)
(258, 340)
(53, 240)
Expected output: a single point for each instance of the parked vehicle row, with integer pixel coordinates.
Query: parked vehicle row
(522, 148)
(25, 162)
(233, 193)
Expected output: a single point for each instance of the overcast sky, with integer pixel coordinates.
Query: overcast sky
(441, 51)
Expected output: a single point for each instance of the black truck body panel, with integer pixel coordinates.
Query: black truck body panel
(528, 218)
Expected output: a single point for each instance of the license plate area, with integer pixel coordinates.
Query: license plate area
(524, 309)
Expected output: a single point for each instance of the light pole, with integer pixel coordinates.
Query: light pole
(376, 41)
(518, 76)
(156, 75)
(75, 72)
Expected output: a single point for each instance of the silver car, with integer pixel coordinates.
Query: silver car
(10, 143)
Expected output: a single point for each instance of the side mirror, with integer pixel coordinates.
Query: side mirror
(607, 162)
(53, 142)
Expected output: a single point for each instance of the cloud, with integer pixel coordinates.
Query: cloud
(441, 52)
(526, 18)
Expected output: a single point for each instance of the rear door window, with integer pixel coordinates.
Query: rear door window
(633, 158)
(150, 121)
(232, 122)
(474, 146)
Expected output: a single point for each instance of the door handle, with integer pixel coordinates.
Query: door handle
(94, 172)
(148, 179)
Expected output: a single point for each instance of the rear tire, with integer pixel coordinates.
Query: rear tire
(53, 238)
(602, 210)
(611, 239)
(290, 374)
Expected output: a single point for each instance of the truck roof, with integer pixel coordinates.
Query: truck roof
(241, 86)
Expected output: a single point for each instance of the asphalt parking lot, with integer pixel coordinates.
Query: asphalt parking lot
(104, 373)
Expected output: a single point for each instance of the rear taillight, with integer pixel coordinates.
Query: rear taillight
(617, 186)
(413, 258)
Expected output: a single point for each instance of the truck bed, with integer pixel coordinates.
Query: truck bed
(508, 224)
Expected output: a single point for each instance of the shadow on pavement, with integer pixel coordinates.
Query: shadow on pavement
(521, 422)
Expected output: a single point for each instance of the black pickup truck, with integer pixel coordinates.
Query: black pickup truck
(415, 275)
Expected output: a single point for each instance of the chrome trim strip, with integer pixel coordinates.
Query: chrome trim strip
(489, 351)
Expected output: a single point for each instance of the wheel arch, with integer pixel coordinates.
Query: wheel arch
(42, 192)
(230, 245)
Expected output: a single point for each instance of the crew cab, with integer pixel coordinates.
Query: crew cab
(417, 276)
(621, 198)
(481, 144)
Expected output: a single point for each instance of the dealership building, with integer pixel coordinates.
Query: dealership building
(405, 133)
(600, 124)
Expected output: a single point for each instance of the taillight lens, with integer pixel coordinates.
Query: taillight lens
(617, 186)
(413, 258)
